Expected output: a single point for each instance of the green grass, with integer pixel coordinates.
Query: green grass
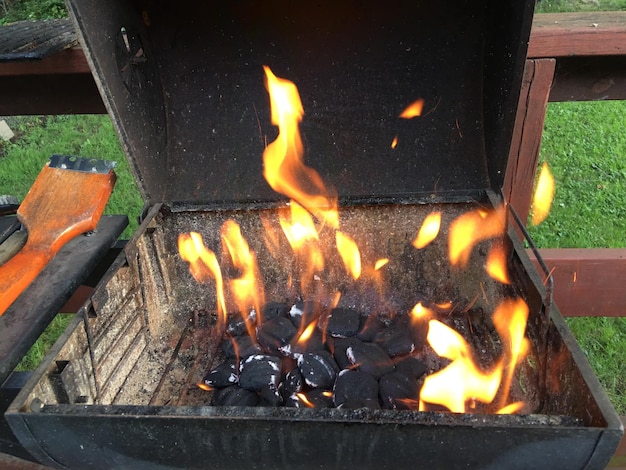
(38, 350)
(560, 6)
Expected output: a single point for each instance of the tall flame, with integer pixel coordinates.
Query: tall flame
(203, 265)
(544, 194)
(428, 231)
(247, 288)
(471, 228)
(461, 380)
(284, 169)
(350, 254)
(510, 319)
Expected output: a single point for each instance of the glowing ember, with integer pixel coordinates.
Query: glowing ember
(461, 380)
(413, 110)
(284, 169)
(429, 230)
(471, 228)
(247, 288)
(544, 194)
(496, 264)
(394, 142)
(350, 254)
(203, 265)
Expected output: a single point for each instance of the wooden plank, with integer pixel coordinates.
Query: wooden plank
(524, 153)
(67, 61)
(580, 34)
(588, 281)
(589, 79)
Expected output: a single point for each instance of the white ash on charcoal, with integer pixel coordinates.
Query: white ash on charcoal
(349, 360)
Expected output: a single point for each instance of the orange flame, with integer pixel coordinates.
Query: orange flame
(306, 334)
(429, 230)
(496, 264)
(471, 228)
(511, 409)
(302, 397)
(284, 169)
(544, 194)
(420, 312)
(203, 265)
(461, 380)
(299, 228)
(394, 142)
(380, 263)
(413, 110)
(247, 288)
(510, 319)
(350, 254)
(204, 387)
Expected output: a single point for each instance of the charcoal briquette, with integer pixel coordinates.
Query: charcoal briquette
(234, 396)
(224, 375)
(259, 371)
(411, 366)
(398, 391)
(396, 340)
(319, 398)
(295, 347)
(355, 389)
(240, 347)
(339, 347)
(292, 382)
(318, 369)
(236, 325)
(304, 312)
(370, 358)
(369, 327)
(342, 322)
(270, 396)
(275, 334)
(273, 310)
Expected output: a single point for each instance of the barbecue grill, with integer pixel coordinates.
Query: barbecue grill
(184, 85)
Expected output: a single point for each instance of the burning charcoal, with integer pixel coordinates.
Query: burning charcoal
(370, 326)
(398, 391)
(340, 346)
(259, 371)
(236, 325)
(293, 383)
(276, 333)
(240, 347)
(318, 368)
(411, 367)
(310, 344)
(305, 312)
(356, 389)
(342, 322)
(396, 340)
(270, 396)
(223, 375)
(316, 398)
(273, 310)
(370, 358)
(234, 396)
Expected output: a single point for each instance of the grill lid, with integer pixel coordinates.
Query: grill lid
(184, 84)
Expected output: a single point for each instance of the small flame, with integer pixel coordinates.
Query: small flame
(429, 230)
(380, 263)
(544, 194)
(302, 397)
(471, 228)
(496, 264)
(413, 110)
(461, 380)
(204, 387)
(394, 142)
(306, 334)
(247, 288)
(511, 409)
(350, 254)
(284, 169)
(510, 319)
(420, 312)
(203, 265)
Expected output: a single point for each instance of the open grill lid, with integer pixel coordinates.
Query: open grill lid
(184, 84)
